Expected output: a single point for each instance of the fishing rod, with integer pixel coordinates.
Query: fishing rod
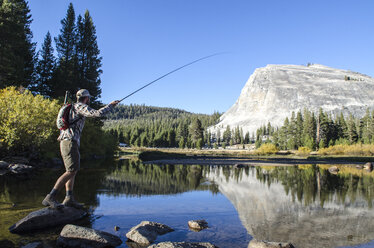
(215, 54)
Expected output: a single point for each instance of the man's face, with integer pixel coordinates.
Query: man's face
(87, 100)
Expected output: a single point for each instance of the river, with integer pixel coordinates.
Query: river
(301, 204)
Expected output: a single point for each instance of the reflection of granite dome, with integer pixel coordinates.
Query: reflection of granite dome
(273, 92)
(268, 213)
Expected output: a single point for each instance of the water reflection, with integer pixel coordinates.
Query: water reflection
(133, 178)
(305, 205)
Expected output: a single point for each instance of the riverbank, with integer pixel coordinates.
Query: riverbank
(234, 157)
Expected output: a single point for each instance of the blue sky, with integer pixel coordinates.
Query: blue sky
(141, 40)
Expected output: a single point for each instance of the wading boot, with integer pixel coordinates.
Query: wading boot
(52, 202)
(70, 202)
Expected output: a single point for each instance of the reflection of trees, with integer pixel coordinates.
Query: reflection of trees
(30, 192)
(307, 183)
(135, 178)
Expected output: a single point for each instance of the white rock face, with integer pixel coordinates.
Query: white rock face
(273, 92)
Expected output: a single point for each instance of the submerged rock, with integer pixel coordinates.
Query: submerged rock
(33, 245)
(3, 165)
(19, 168)
(182, 245)
(265, 244)
(47, 217)
(77, 236)
(146, 232)
(368, 166)
(197, 225)
(334, 170)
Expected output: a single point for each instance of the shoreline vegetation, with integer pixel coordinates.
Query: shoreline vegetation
(232, 157)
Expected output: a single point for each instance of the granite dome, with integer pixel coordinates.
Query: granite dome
(273, 92)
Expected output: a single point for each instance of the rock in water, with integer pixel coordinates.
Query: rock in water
(33, 245)
(47, 217)
(19, 168)
(197, 225)
(334, 170)
(273, 92)
(77, 236)
(146, 232)
(368, 166)
(265, 244)
(3, 165)
(182, 245)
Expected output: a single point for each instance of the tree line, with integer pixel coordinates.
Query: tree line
(160, 127)
(320, 130)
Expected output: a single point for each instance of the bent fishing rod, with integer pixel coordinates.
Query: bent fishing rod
(195, 61)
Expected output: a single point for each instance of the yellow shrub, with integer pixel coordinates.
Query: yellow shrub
(27, 122)
(303, 150)
(265, 149)
(353, 150)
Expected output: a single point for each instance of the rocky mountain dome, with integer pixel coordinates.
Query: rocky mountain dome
(273, 92)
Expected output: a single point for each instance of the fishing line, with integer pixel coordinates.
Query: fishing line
(195, 61)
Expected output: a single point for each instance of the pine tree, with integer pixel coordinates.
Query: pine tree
(17, 51)
(196, 131)
(227, 135)
(45, 68)
(323, 132)
(366, 124)
(351, 130)
(65, 77)
(88, 56)
(246, 138)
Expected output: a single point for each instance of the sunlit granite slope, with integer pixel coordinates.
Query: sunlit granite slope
(268, 213)
(273, 92)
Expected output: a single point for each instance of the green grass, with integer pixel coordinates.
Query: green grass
(148, 154)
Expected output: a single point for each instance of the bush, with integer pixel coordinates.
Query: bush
(266, 149)
(344, 149)
(28, 126)
(27, 122)
(303, 150)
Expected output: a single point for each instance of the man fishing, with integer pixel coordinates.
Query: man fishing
(69, 147)
(70, 140)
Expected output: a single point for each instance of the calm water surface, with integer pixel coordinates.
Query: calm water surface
(305, 204)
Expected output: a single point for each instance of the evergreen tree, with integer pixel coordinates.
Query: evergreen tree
(323, 129)
(227, 135)
(366, 125)
(246, 138)
(237, 138)
(45, 68)
(299, 130)
(209, 139)
(88, 56)
(351, 130)
(171, 138)
(17, 51)
(219, 137)
(65, 77)
(196, 131)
